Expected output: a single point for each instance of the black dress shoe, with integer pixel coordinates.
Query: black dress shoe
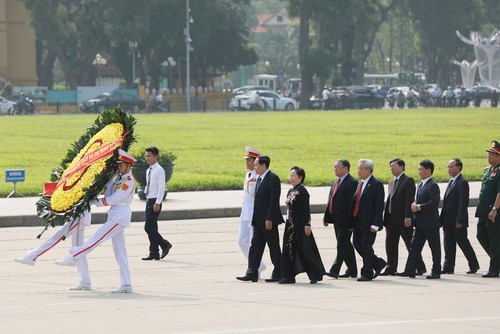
(420, 272)
(165, 251)
(381, 265)
(405, 274)
(313, 281)
(286, 281)
(151, 257)
(347, 275)
(433, 276)
(388, 273)
(247, 278)
(447, 271)
(272, 279)
(490, 274)
(364, 279)
(473, 271)
(336, 276)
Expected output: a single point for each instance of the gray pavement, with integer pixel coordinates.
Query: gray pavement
(178, 205)
(194, 290)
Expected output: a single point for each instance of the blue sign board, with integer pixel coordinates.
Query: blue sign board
(15, 175)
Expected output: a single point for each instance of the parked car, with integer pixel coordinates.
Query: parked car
(395, 90)
(270, 101)
(6, 106)
(359, 97)
(246, 89)
(110, 100)
(483, 92)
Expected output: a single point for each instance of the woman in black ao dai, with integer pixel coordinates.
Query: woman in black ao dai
(300, 252)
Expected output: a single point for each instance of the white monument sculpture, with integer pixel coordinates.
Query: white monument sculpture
(468, 72)
(487, 50)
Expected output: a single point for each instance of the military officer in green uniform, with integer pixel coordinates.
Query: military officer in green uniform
(488, 226)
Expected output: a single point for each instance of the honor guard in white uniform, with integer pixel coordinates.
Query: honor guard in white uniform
(75, 230)
(118, 196)
(246, 229)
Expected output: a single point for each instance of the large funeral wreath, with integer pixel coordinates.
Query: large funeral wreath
(88, 166)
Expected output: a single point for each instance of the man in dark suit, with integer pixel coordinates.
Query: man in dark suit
(455, 220)
(397, 216)
(426, 221)
(368, 206)
(338, 212)
(265, 220)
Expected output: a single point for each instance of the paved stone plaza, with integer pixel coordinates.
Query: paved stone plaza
(194, 290)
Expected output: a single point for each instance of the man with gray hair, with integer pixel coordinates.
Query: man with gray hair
(368, 207)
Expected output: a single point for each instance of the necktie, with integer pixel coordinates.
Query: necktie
(149, 180)
(448, 188)
(330, 205)
(257, 184)
(393, 190)
(358, 198)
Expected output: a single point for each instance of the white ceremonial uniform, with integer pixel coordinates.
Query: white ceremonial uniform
(75, 229)
(118, 195)
(246, 228)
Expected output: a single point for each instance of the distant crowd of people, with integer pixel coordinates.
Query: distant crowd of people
(358, 211)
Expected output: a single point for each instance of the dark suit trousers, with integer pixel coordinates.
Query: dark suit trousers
(488, 235)
(363, 243)
(260, 237)
(393, 233)
(345, 252)
(452, 237)
(416, 246)
(151, 228)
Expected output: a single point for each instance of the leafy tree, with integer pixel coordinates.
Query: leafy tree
(73, 32)
(438, 20)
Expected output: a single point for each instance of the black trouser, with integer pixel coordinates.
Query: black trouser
(345, 252)
(393, 232)
(151, 228)
(416, 246)
(488, 235)
(452, 237)
(260, 237)
(363, 243)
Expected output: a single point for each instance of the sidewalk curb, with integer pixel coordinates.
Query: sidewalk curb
(138, 216)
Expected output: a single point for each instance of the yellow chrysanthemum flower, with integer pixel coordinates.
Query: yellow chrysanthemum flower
(72, 190)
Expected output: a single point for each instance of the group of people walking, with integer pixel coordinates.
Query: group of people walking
(357, 212)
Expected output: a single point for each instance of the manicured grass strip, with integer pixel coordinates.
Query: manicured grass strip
(210, 147)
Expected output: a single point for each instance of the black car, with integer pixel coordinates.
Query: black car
(110, 100)
(483, 92)
(359, 97)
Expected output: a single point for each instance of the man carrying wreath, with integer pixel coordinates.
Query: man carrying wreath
(118, 196)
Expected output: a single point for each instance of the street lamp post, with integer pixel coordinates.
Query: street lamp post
(169, 64)
(189, 20)
(135, 53)
(99, 61)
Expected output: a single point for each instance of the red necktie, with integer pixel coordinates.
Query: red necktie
(330, 205)
(358, 197)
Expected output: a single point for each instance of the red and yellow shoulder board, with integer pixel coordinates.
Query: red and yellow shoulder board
(125, 187)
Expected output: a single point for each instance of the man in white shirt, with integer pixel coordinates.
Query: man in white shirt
(155, 191)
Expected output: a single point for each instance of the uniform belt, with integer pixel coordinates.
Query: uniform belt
(122, 204)
(152, 199)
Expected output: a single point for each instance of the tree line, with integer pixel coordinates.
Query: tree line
(337, 40)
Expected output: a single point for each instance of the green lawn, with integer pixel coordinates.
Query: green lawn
(210, 147)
